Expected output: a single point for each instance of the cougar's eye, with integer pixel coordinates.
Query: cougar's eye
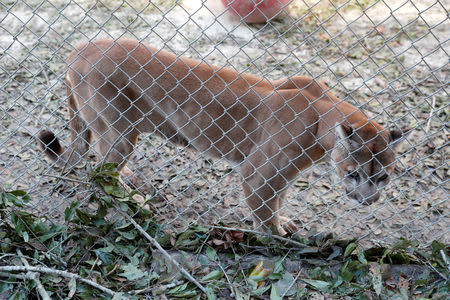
(353, 174)
(383, 177)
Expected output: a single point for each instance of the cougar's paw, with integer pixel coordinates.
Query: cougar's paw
(126, 172)
(128, 177)
(281, 231)
(287, 225)
(141, 201)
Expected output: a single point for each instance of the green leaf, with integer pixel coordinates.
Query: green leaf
(46, 237)
(184, 238)
(131, 272)
(260, 291)
(346, 275)
(214, 275)
(318, 284)
(70, 210)
(123, 206)
(210, 295)
(118, 296)
(361, 257)
(115, 190)
(274, 295)
(211, 253)
(178, 289)
(72, 287)
(102, 211)
(436, 249)
(336, 252)
(106, 258)
(285, 286)
(12, 198)
(26, 238)
(376, 279)
(129, 235)
(22, 194)
(349, 249)
(84, 217)
(107, 249)
(338, 282)
(404, 244)
(259, 273)
(278, 267)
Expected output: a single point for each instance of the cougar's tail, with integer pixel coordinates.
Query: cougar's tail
(70, 156)
(50, 144)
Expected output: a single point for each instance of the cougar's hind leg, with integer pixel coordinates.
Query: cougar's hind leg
(79, 144)
(114, 147)
(80, 136)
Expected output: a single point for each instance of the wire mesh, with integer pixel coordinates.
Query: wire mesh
(388, 58)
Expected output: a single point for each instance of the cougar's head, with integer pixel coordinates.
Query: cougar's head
(365, 159)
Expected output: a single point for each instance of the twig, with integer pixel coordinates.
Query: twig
(93, 265)
(201, 247)
(226, 276)
(16, 276)
(292, 283)
(433, 104)
(425, 262)
(240, 266)
(66, 163)
(161, 249)
(280, 238)
(35, 277)
(61, 173)
(444, 258)
(156, 244)
(65, 178)
(46, 270)
(159, 286)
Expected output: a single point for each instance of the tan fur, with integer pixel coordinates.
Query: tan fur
(272, 130)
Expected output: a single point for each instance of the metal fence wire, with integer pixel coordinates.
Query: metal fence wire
(387, 58)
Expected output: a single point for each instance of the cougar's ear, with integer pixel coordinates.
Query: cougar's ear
(345, 133)
(396, 136)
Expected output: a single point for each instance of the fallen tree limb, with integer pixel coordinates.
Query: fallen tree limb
(35, 277)
(51, 271)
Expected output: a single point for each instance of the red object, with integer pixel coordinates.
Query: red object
(255, 11)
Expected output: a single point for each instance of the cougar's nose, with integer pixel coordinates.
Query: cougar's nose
(364, 198)
(353, 194)
(369, 199)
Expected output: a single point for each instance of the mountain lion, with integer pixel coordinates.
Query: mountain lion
(271, 130)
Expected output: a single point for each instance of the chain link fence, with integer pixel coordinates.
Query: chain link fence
(389, 58)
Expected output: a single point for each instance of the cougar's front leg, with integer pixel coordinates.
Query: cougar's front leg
(263, 187)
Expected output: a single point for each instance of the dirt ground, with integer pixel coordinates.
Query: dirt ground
(392, 61)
